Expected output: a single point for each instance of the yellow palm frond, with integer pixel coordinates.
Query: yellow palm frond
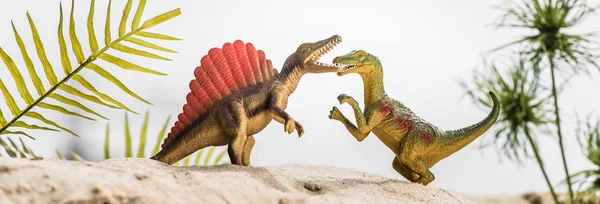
(12, 149)
(200, 158)
(62, 93)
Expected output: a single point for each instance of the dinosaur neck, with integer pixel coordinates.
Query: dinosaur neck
(373, 85)
(289, 80)
(290, 75)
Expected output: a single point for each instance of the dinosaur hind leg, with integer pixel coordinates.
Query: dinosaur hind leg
(406, 173)
(233, 120)
(411, 151)
(247, 150)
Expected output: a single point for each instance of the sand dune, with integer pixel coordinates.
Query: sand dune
(148, 181)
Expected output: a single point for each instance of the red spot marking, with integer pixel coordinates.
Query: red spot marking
(385, 108)
(426, 137)
(403, 123)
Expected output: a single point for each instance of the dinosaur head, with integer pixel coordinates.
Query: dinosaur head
(357, 61)
(306, 57)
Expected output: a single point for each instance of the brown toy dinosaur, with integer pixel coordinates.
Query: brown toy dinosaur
(417, 144)
(236, 94)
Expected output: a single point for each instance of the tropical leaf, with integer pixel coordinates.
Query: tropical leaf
(73, 68)
(200, 158)
(14, 150)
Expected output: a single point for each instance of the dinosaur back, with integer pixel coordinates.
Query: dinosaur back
(222, 71)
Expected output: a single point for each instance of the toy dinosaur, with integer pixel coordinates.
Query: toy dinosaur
(236, 94)
(417, 144)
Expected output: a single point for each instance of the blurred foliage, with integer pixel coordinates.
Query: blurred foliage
(60, 91)
(143, 142)
(550, 42)
(551, 48)
(588, 181)
(525, 110)
(14, 150)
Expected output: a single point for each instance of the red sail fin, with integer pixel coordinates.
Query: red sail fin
(222, 71)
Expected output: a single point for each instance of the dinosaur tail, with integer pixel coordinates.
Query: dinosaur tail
(457, 139)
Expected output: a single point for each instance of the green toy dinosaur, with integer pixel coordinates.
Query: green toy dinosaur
(236, 94)
(417, 144)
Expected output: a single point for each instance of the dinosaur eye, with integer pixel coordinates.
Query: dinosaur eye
(306, 49)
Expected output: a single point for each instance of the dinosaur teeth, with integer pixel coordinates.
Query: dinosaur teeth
(349, 67)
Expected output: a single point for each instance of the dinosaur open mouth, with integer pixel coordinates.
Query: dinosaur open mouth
(317, 54)
(348, 68)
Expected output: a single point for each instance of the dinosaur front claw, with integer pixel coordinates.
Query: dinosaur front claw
(290, 125)
(335, 114)
(343, 98)
(300, 129)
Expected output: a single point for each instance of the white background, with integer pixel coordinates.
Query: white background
(425, 47)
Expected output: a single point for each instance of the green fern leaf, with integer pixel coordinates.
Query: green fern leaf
(123, 23)
(90, 27)
(103, 96)
(8, 132)
(148, 45)
(138, 15)
(130, 50)
(220, 157)
(13, 149)
(156, 36)
(107, 37)
(7, 148)
(42, 53)
(77, 157)
(2, 119)
(114, 80)
(10, 101)
(209, 154)
(161, 18)
(62, 110)
(143, 143)
(16, 148)
(143, 134)
(37, 82)
(22, 124)
(59, 155)
(12, 68)
(72, 102)
(161, 135)
(199, 157)
(26, 149)
(64, 57)
(127, 138)
(127, 65)
(186, 161)
(38, 116)
(106, 140)
(69, 89)
(72, 71)
(75, 45)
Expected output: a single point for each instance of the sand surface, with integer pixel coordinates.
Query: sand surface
(148, 181)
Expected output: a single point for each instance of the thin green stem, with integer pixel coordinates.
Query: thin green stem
(558, 127)
(89, 60)
(541, 164)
